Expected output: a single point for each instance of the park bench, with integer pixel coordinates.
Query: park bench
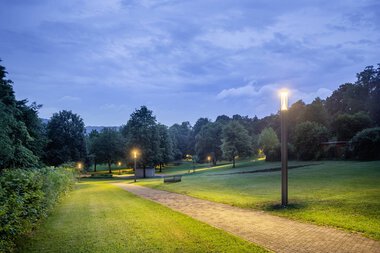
(172, 179)
(101, 175)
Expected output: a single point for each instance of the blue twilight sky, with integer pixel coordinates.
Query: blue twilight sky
(183, 59)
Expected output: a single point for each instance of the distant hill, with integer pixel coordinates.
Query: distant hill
(89, 129)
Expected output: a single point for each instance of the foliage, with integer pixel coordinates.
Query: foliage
(25, 197)
(269, 143)
(208, 142)
(141, 133)
(235, 141)
(308, 137)
(165, 153)
(21, 133)
(181, 135)
(66, 134)
(365, 145)
(316, 112)
(107, 146)
(345, 126)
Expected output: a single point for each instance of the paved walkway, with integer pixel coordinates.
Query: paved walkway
(272, 232)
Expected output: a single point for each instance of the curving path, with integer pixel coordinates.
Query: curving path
(274, 233)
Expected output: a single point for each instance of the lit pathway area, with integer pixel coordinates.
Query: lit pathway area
(272, 232)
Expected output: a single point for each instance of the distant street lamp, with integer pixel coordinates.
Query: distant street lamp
(209, 160)
(135, 157)
(284, 148)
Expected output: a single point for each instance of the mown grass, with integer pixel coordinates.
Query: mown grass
(100, 217)
(342, 194)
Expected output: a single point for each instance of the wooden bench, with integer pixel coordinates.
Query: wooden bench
(173, 179)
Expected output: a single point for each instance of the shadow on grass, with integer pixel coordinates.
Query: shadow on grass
(293, 206)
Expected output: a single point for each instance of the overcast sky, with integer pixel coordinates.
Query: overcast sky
(103, 59)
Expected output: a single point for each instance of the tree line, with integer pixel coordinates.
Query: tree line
(350, 115)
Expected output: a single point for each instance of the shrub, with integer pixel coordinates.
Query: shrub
(308, 137)
(25, 197)
(365, 145)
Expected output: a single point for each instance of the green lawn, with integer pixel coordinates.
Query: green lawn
(343, 194)
(99, 217)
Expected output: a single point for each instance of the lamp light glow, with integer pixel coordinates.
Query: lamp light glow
(284, 100)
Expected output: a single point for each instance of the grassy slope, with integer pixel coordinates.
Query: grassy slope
(99, 217)
(340, 194)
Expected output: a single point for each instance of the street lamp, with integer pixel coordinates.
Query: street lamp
(135, 157)
(284, 148)
(209, 160)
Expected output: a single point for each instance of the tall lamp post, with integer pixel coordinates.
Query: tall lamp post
(284, 148)
(209, 161)
(135, 158)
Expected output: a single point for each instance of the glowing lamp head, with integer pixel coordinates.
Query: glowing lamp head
(134, 154)
(284, 100)
(209, 158)
(79, 165)
(119, 164)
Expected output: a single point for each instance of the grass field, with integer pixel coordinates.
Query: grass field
(342, 194)
(100, 217)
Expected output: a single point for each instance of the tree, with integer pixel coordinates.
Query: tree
(369, 79)
(21, 134)
(208, 142)
(345, 126)
(141, 133)
(165, 146)
(194, 131)
(91, 147)
(348, 98)
(308, 139)
(66, 134)
(107, 146)
(316, 112)
(180, 135)
(365, 145)
(235, 141)
(269, 143)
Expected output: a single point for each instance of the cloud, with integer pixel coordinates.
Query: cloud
(69, 99)
(248, 90)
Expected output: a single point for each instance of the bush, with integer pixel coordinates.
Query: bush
(308, 137)
(25, 197)
(365, 145)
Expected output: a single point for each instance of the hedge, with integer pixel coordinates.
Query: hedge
(27, 195)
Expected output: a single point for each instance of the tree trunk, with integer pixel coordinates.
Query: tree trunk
(144, 171)
(109, 167)
(160, 167)
(94, 166)
(233, 162)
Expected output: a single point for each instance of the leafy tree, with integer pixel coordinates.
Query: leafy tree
(194, 131)
(269, 143)
(235, 141)
(308, 137)
(345, 126)
(316, 112)
(181, 135)
(20, 129)
(365, 145)
(91, 147)
(107, 146)
(369, 79)
(208, 142)
(66, 134)
(348, 98)
(165, 146)
(295, 116)
(142, 133)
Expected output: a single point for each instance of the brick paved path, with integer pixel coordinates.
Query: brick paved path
(272, 232)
